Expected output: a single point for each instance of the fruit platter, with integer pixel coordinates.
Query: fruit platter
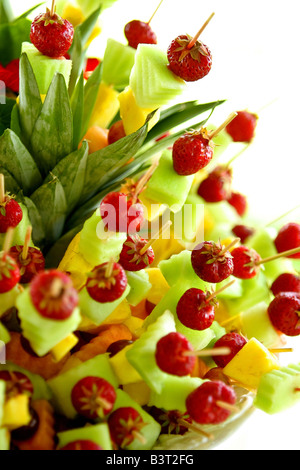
(143, 304)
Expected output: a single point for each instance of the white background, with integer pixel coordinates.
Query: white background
(255, 47)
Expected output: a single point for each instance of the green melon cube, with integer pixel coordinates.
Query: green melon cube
(45, 67)
(98, 246)
(4, 336)
(2, 399)
(179, 268)
(8, 299)
(43, 333)
(96, 311)
(221, 141)
(150, 432)
(153, 84)
(279, 389)
(234, 291)
(256, 324)
(98, 434)
(188, 223)
(4, 439)
(166, 186)
(63, 384)
(174, 393)
(41, 391)
(117, 63)
(139, 286)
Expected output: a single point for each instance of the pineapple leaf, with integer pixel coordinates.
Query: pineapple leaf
(51, 203)
(90, 97)
(77, 111)
(15, 121)
(16, 159)
(58, 250)
(71, 173)
(52, 136)
(38, 232)
(11, 185)
(30, 103)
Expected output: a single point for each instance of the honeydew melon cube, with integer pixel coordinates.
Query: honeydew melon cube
(166, 186)
(234, 291)
(4, 336)
(106, 107)
(174, 393)
(179, 268)
(98, 246)
(98, 434)
(8, 299)
(189, 222)
(2, 399)
(41, 391)
(221, 141)
(96, 311)
(251, 363)
(4, 439)
(256, 323)
(63, 384)
(279, 389)
(139, 286)
(153, 84)
(124, 371)
(152, 429)
(132, 115)
(117, 63)
(43, 333)
(218, 331)
(45, 67)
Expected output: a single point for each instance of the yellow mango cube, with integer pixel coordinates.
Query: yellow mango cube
(152, 209)
(159, 285)
(135, 326)
(75, 264)
(16, 412)
(61, 349)
(250, 363)
(139, 392)
(124, 371)
(106, 107)
(132, 115)
(119, 315)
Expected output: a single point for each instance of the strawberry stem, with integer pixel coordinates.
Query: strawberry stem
(294, 251)
(228, 247)
(155, 11)
(195, 38)
(158, 234)
(26, 243)
(2, 188)
(217, 292)
(222, 126)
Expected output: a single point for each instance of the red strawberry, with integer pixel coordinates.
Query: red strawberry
(190, 64)
(107, 282)
(116, 132)
(131, 258)
(137, 32)
(11, 214)
(170, 356)
(192, 152)
(172, 422)
(288, 238)
(211, 263)
(91, 64)
(202, 403)
(33, 263)
(16, 383)
(216, 374)
(93, 397)
(9, 273)
(284, 313)
(234, 342)
(120, 214)
(239, 202)
(125, 425)
(195, 311)
(286, 282)
(51, 34)
(243, 232)
(244, 261)
(217, 186)
(53, 295)
(242, 128)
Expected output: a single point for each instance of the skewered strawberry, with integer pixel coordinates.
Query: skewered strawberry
(217, 374)
(107, 282)
(116, 132)
(51, 34)
(212, 262)
(172, 422)
(170, 355)
(53, 295)
(11, 213)
(133, 256)
(16, 383)
(242, 128)
(9, 273)
(243, 232)
(286, 282)
(93, 397)
(216, 186)
(234, 342)
(192, 152)
(125, 425)
(284, 313)
(244, 261)
(138, 32)
(121, 214)
(195, 311)
(288, 238)
(239, 202)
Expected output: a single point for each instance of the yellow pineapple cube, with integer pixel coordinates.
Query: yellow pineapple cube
(250, 363)
(152, 209)
(16, 412)
(132, 115)
(139, 392)
(119, 315)
(75, 15)
(159, 285)
(61, 349)
(106, 107)
(75, 264)
(135, 326)
(124, 371)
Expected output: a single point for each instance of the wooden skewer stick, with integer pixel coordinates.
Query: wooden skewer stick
(280, 350)
(227, 406)
(52, 12)
(144, 180)
(2, 188)
(228, 247)
(294, 251)
(139, 437)
(235, 157)
(230, 320)
(217, 292)
(156, 237)
(282, 216)
(230, 118)
(8, 240)
(109, 268)
(26, 243)
(224, 351)
(155, 11)
(195, 38)
(56, 288)
(195, 428)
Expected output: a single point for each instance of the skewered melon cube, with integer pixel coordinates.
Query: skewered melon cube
(45, 67)
(117, 63)
(139, 392)
(16, 412)
(98, 433)
(166, 186)
(251, 363)
(106, 107)
(153, 84)
(139, 286)
(4, 337)
(132, 115)
(179, 268)
(174, 393)
(255, 323)
(279, 389)
(124, 371)
(8, 299)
